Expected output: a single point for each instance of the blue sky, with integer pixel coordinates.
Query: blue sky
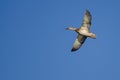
(34, 44)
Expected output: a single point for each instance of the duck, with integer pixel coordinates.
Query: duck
(83, 32)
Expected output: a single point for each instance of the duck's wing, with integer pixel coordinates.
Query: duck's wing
(87, 20)
(78, 42)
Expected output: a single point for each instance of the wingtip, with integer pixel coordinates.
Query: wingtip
(72, 50)
(87, 11)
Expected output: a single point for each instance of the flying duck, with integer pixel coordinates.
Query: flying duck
(83, 31)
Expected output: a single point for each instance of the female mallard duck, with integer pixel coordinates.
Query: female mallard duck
(83, 31)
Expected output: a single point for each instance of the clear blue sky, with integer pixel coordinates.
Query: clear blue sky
(34, 44)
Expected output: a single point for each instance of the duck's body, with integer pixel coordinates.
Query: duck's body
(83, 31)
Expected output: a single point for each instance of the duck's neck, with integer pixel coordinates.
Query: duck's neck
(71, 28)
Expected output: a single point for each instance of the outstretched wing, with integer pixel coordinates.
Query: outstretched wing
(87, 20)
(78, 42)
